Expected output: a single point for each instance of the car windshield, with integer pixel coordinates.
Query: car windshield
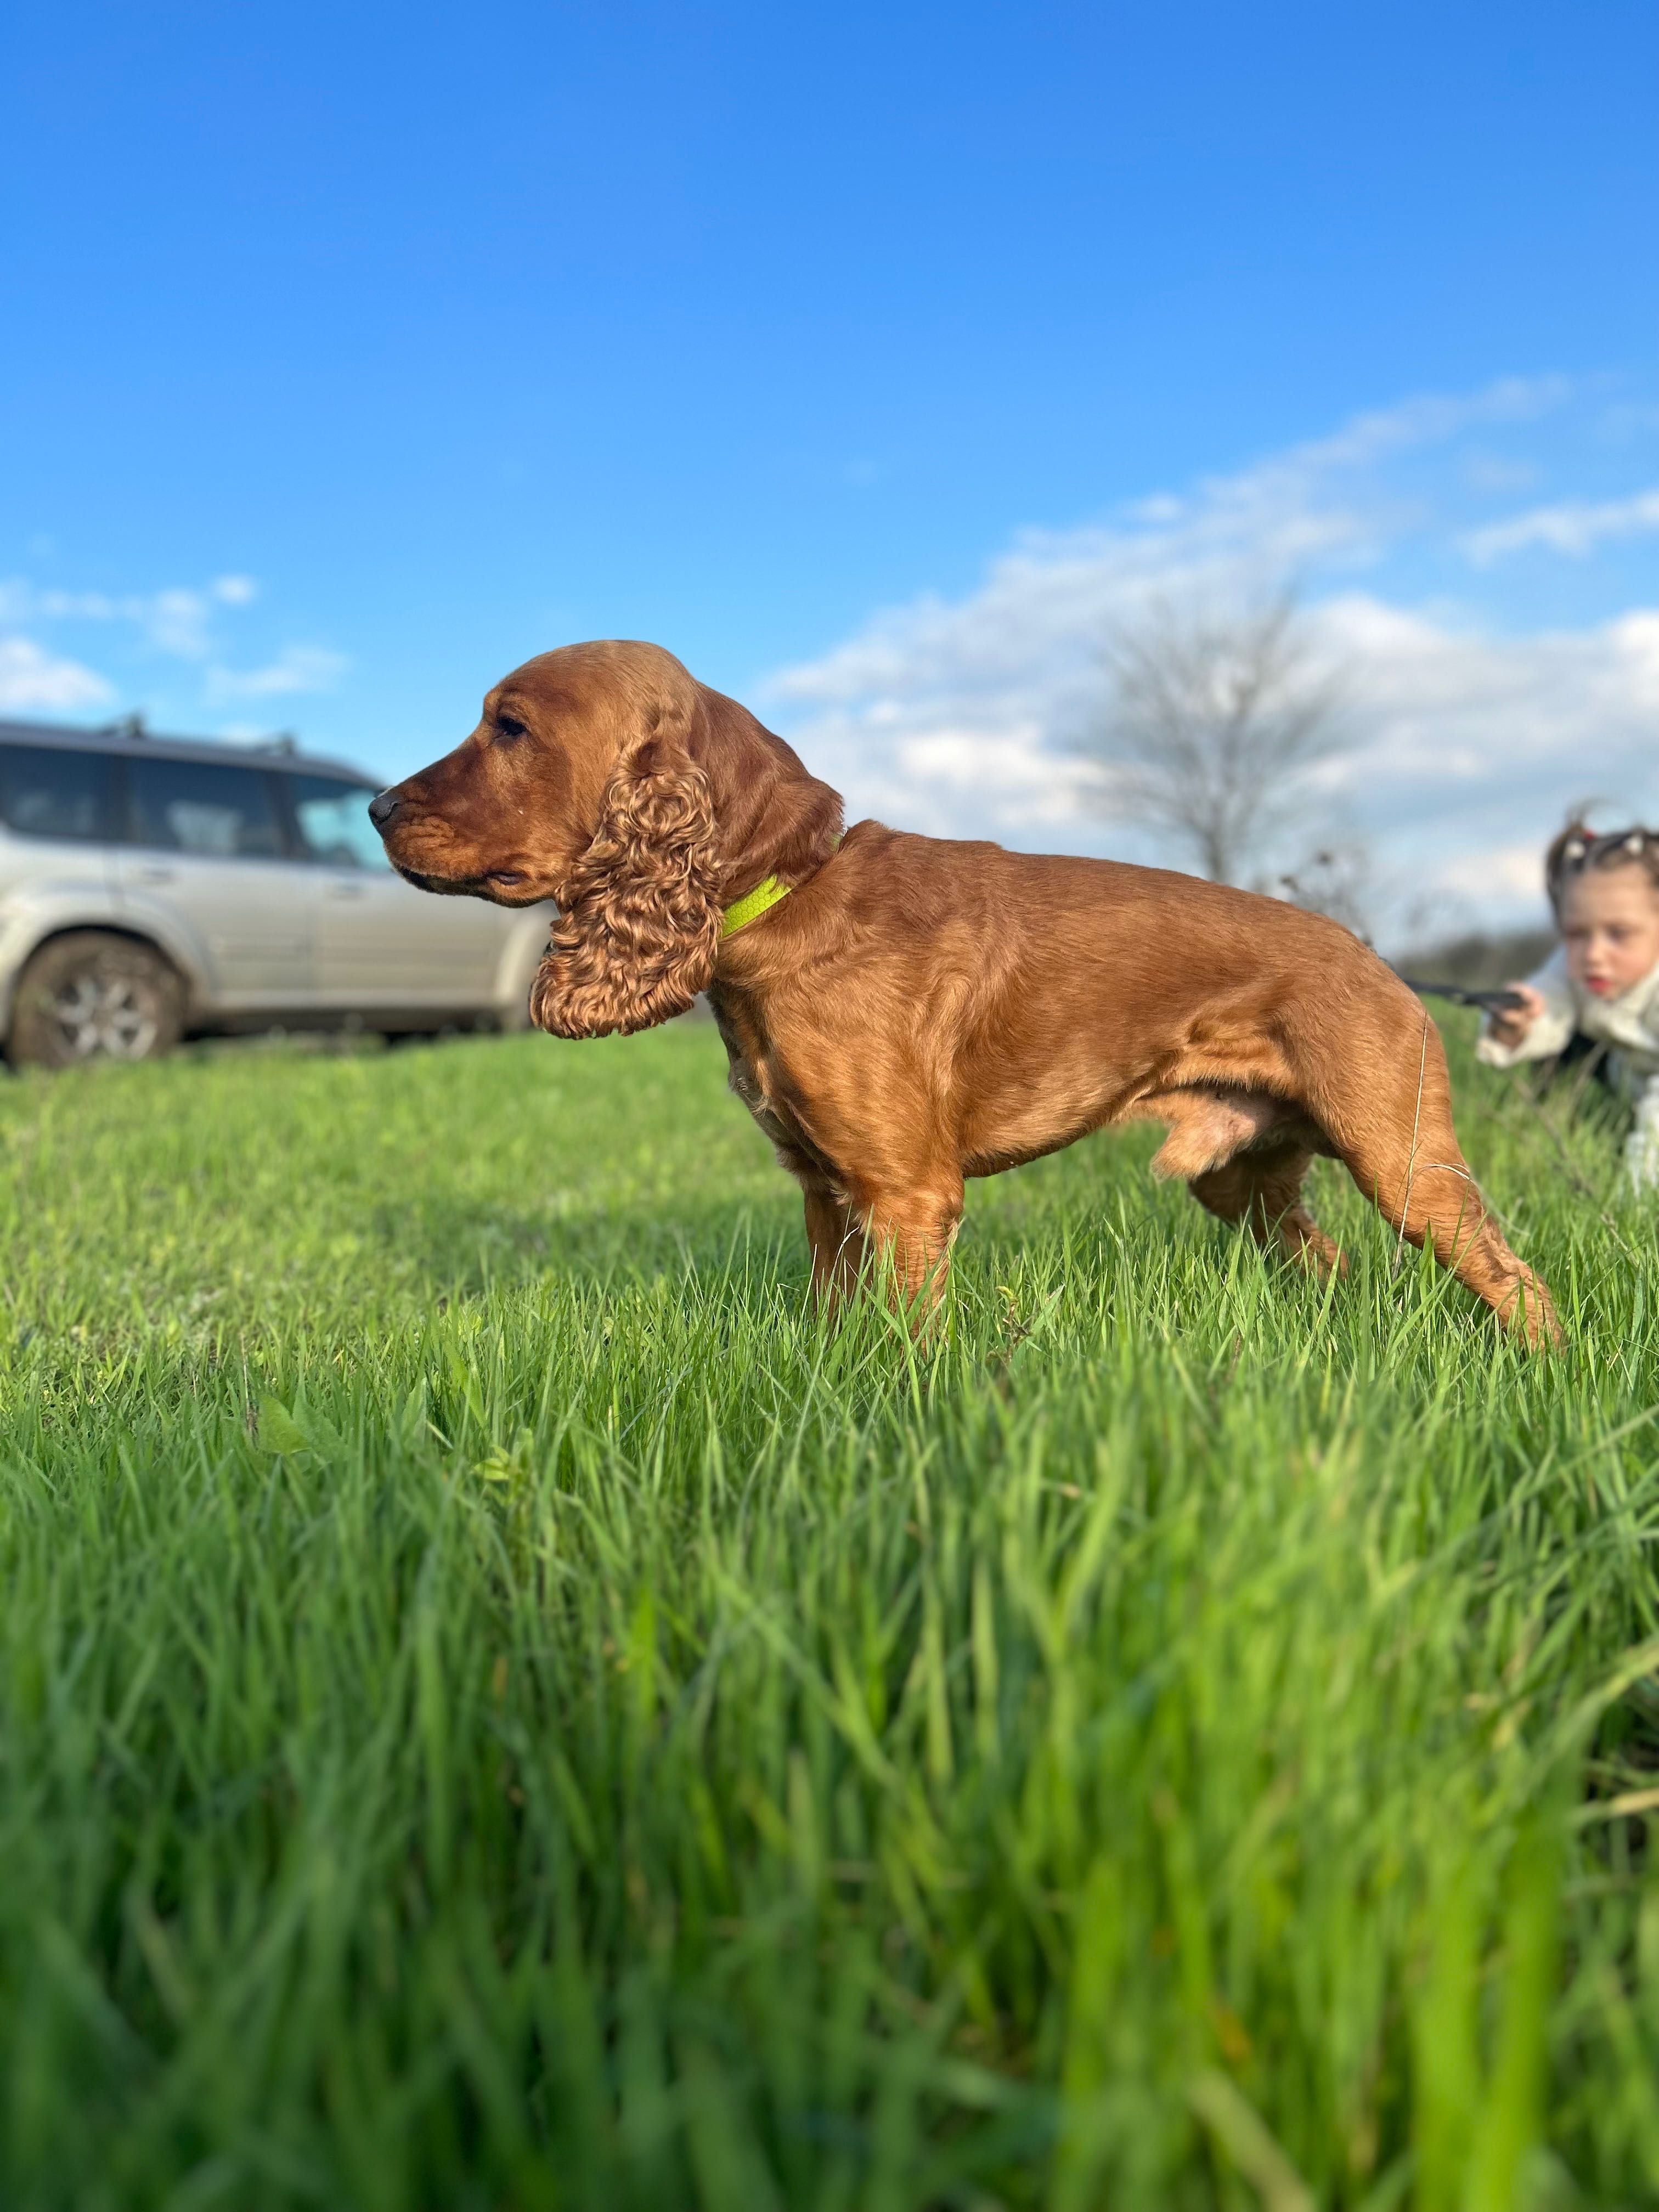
(334, 823)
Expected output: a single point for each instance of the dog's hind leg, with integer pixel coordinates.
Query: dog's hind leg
(1263, 1190)
(1407, 1161)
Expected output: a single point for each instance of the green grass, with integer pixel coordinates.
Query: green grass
(498, 1710)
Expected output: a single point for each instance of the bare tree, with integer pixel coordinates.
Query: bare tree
(1337, 879)
(1210, 724)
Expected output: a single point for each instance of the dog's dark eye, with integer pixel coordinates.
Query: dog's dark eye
(508, 727)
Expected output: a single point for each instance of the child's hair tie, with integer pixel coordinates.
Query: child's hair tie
(1577, 847)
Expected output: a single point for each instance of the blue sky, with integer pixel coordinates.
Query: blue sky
(864, 357)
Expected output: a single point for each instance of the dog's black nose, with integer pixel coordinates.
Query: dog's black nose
(382, 807)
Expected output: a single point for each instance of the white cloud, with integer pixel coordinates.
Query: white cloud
(1309, 505)
(177, 620)
(1464, 728)
(188, 622)
(32, 680)
(954, 717)
(297, 668)
(1496, 472)
(1574, 528)
(1514, 871)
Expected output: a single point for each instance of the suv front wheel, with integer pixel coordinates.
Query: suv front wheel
(91, 996)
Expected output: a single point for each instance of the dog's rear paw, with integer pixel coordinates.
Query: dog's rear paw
(1322, 1259)
(1529, 1312)
(1306, 1242)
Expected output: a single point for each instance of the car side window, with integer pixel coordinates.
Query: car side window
(198, 806)
(333, 822)
(46, 791)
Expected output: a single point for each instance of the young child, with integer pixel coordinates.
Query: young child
(1604, 980)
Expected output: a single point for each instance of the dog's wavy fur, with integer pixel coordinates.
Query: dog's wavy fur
(639, 917)
(919, 1010)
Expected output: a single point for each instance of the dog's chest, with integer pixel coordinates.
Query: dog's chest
(752, 1074)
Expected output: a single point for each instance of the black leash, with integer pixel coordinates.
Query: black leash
(1490, 1002)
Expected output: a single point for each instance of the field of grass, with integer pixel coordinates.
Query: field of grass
(498, 1710)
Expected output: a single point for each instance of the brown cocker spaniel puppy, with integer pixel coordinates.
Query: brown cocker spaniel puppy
(901, 1013)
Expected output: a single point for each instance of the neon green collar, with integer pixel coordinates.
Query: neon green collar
(767, 894)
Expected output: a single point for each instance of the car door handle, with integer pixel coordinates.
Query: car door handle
(347, 890)
(153, 875)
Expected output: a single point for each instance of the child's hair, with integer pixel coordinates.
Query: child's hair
(1578, 846)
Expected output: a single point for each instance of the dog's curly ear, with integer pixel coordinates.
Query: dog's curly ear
(639, 921)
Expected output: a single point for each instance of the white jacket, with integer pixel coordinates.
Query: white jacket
(1629, 1025)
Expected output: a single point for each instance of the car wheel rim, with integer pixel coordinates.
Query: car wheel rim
(105, 1018)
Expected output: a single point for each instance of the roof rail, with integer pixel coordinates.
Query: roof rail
(133, 730)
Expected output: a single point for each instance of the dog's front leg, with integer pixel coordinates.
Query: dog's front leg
(834, 1232)
(908, 1234)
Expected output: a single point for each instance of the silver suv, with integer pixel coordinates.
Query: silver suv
(153, 888)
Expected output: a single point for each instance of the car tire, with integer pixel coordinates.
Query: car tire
(91, 996)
